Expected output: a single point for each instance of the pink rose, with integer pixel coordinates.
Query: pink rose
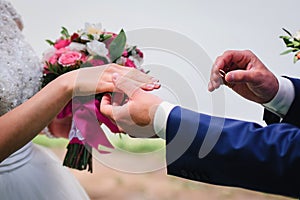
(125, 53)
(140, 53)
(129, 63)
(61, 51)
(61, 43)
(69, 58)
(108, 41)
(53, 59)
(46, 71)
(97, 62)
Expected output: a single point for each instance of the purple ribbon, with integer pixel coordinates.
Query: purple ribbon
(87, 119)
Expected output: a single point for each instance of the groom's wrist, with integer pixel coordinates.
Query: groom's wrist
(160, 118)
(282, 101)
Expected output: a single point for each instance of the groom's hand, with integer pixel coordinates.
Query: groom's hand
(135, 116)
(245, 74)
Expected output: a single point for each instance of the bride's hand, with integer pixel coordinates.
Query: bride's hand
(92, 80)
(135, 117)
(60, 128)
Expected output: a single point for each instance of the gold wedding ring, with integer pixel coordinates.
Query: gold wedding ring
(222, 73)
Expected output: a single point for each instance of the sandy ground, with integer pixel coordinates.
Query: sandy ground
(109, 184)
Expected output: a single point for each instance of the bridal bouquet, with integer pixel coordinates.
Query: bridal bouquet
(293, 44)
(88, 47)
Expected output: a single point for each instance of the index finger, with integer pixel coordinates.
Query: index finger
(140, 77)
(230, 60)
(126, 85)
(233, 59)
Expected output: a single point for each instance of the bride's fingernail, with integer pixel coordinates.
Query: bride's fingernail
(154, 80)
(156, 84)
(149, 85)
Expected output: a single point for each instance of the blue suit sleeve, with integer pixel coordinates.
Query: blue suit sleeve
(245, 154)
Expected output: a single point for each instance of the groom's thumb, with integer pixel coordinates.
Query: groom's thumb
(240, 76)
(126, 85)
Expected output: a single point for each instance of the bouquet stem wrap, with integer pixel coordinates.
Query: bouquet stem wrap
(87, 120)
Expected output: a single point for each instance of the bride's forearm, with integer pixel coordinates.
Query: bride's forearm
(24, 122)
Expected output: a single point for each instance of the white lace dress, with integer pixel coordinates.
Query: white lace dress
(33, 172)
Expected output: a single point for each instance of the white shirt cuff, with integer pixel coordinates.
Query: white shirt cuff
(161, 117)
(283, 100)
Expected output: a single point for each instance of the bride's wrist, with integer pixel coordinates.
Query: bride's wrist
(66, 83)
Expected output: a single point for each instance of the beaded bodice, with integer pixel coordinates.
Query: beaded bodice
(20, 67)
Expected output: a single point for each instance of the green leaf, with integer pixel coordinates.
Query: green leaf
(287, 41)
(86, 64)
(287, 51)
(90, 36)
(104, 37)
(65, 32)
(131, 48)
(295, 59)
(284, 37)
(52, 68)
(64, 69)
(117, 46)
(50, 42)
(287, 32)
(296, 44)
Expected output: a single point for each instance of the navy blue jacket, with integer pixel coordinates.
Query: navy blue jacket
(246, 155)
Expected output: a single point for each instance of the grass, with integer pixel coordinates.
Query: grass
(50, 142)
(136, 145)
(120, 141)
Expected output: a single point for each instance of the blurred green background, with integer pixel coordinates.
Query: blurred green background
(120, 141)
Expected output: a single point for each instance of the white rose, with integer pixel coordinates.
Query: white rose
(97, 48)
(138, 61)
(84, 36)
(75, 46)
(93, 28)
(120, 61)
